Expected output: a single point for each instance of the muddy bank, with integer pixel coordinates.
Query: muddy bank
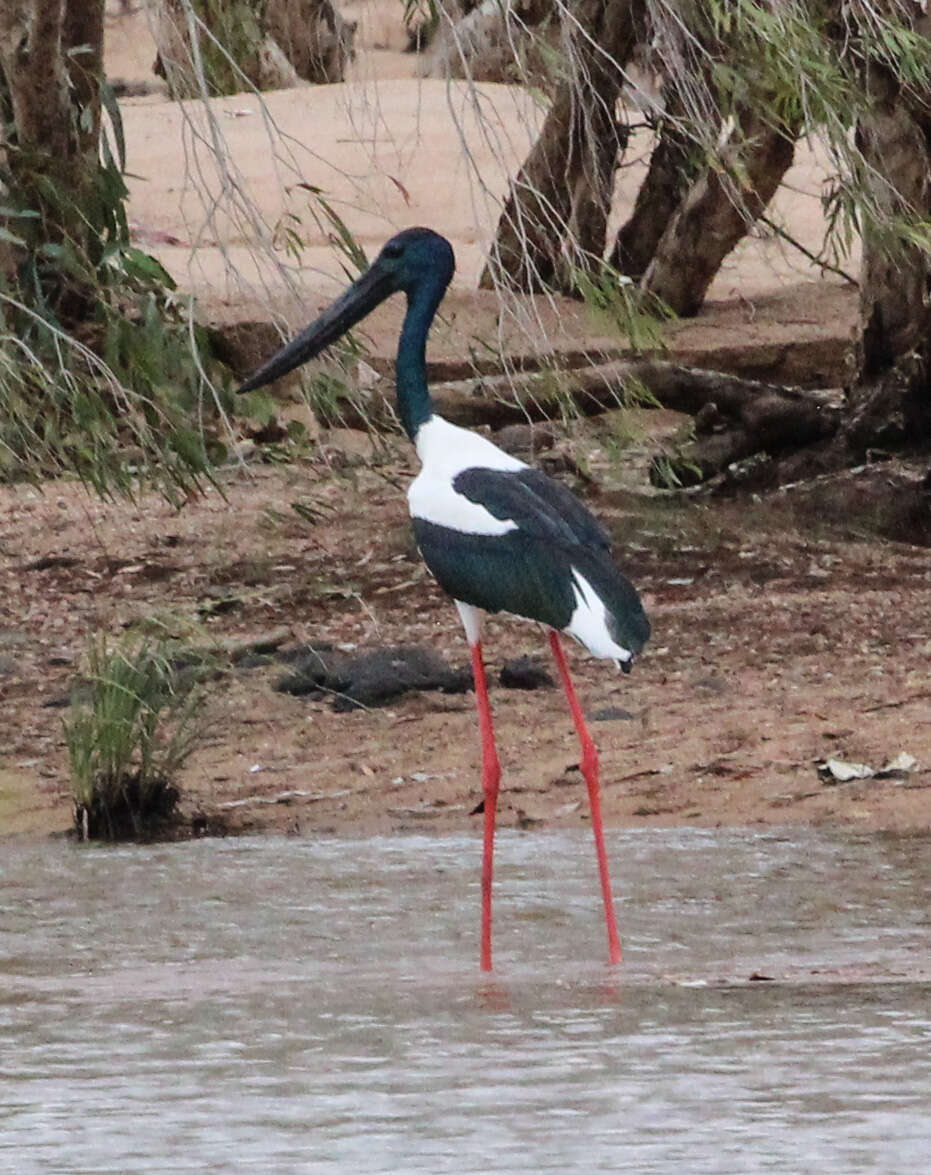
(778, 643)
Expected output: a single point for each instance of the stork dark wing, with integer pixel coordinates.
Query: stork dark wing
(531, 570)
(537, 504)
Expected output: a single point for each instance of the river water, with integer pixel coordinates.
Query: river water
(295, 1005)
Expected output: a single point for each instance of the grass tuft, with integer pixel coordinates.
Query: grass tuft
(128, 736)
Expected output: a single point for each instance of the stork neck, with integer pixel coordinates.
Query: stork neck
(414, 404)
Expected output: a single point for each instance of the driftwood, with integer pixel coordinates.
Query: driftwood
(358, 681)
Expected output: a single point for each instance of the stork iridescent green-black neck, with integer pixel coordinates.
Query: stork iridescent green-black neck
(418, 262)
(497, 535)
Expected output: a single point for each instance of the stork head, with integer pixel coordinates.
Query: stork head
(415, 259)
(417, 256)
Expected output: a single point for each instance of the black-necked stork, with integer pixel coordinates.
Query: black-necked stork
(498, 535)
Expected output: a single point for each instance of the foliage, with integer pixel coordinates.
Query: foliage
(102, 372)
(129, 736)
(332, 393)
(809, 67)
(635, 313)
(338, 234)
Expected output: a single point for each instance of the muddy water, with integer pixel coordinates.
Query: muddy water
(285, 1006)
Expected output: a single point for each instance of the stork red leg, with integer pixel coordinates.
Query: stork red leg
(491, 776)
(589, 766)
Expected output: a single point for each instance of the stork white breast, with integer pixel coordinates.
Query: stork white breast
(434, 500)
(446, 451)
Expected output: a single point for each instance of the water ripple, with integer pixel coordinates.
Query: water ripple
(315, 1006)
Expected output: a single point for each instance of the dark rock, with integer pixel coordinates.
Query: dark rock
(526, 440)
(709, 419)
(612, 714)
(58, 702)
(126, 88)
(525, 673)
(295, 654)
(48, 562)
(254, 660)
(360, 680)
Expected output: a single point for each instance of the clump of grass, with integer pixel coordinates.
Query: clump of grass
(128, 736)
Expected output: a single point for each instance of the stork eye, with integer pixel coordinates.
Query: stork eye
(392, 249)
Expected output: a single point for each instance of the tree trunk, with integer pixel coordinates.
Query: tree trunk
(718, 210)
(494, 42)
(555, 218)
(31, 44)
(316, 40)
(93, 352)
(891, 404)
(51, 57)
(658, 198)
(51, 60)
(270, 44)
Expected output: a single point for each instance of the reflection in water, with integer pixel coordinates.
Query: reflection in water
(301, 1006)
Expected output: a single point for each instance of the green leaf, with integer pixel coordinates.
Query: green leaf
(18, 213)
(143, 265)
(257, 406)
(112, 107)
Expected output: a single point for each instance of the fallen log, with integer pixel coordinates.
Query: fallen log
(736, 417)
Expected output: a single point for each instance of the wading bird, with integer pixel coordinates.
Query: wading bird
(497, 535)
